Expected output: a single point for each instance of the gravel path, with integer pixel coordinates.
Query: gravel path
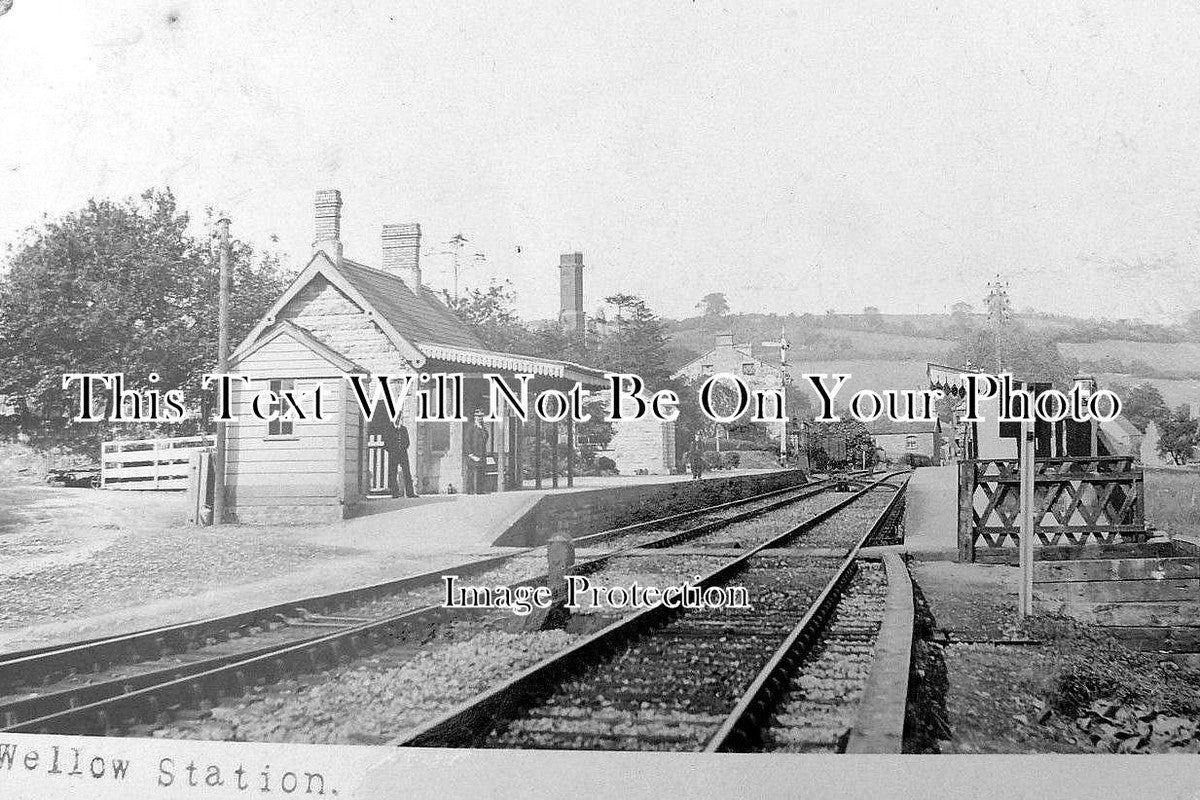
(133, 570)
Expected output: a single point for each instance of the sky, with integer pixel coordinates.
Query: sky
(795, 156)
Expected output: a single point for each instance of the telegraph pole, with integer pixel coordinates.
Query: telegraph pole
(223, 256)
(457, 243)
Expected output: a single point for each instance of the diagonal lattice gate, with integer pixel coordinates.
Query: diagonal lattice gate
(1078, 501)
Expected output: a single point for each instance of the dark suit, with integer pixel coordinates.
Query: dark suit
(405, 468)
(395, 444)
(475, 444)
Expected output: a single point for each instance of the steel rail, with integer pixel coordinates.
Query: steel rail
(45, 665)
(743, 728)
(471, 720)
(57, 711)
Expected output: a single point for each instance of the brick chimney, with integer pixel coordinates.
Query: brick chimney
(328, 214)
(570, 267)
(402, 252)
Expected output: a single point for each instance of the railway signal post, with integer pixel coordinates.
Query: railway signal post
(1026, 447)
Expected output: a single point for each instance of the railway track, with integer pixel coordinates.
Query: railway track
(111, 683)
(696, 679)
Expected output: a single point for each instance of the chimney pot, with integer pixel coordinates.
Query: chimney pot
(402, 252)
(328, 217)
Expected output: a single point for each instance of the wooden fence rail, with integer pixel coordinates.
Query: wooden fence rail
(149, 464)
(1078, 501)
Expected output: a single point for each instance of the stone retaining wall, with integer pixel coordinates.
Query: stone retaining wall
(580, 513)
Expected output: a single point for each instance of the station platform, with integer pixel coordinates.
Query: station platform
(79, 562)
(930, 516)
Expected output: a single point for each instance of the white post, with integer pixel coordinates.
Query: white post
(218, 460)
(1027, 521)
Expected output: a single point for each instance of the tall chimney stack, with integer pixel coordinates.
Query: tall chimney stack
(570, 267)
(402, 253)
(328, 213)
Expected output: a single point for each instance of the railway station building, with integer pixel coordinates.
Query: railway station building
(340, 317)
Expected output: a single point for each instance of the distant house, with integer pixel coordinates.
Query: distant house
(340, 317)
(739, 360)
(900, 440)
(1120, 437)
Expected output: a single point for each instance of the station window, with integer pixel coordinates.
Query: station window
(911, 443)
(277, 426)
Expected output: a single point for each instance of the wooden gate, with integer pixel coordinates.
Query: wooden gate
(378, 464)
(149, 464)
(1078, 501)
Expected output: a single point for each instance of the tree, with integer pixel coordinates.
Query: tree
(1179, 436)
(639, 345)
(1142, 404)
(714, 305)
(118, 287)
(1193, 324)
(490, 314)
(1027, 354)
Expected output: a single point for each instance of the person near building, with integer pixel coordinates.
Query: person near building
(696, 456)
(475, 445)
(403, 443)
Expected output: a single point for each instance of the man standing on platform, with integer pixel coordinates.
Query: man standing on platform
(475, 444)
(696, 455)
(405, 468)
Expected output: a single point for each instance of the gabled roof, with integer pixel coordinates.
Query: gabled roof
(421, 319)
(884, 426)
(417, 323)
(294, 331)
(748, 355)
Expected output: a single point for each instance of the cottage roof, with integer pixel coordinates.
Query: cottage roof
(417, 322)
(419, 318)
(293, 331)
(884, 426)
(740, 349)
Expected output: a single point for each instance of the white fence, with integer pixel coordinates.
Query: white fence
(149, 463)
(378, 463)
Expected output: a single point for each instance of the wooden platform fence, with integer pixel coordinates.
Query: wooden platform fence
(1078, 502)
(149, 464)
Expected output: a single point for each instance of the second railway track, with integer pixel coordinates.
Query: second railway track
(669, 679)
(101, 685)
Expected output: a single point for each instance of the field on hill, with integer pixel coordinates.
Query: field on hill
(1168, 356)
(864, 374)
(1174, 392)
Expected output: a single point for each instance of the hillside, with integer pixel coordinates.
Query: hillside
(891, 350)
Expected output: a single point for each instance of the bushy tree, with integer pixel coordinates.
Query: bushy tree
(639, 344)
(1027, 354)
(118, 286)
(1142, 404)
(1180, 432)
(491, 315)
(714, 305)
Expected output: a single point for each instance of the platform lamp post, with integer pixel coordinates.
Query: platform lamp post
(783, 346)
